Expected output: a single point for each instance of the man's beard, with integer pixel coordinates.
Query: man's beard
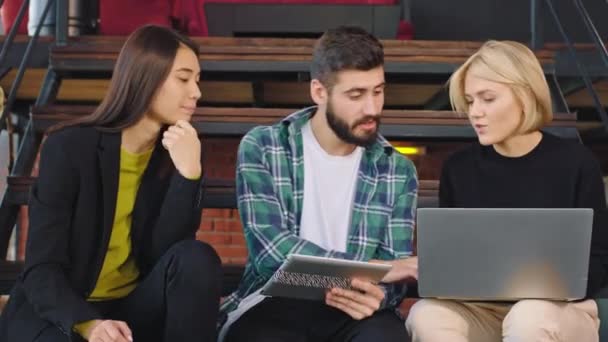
(345, 133)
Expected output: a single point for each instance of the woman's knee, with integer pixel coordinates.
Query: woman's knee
(419, 315)
(196, 253)
(53, 334)
(532, 320)
(428, 315)
(197, 260)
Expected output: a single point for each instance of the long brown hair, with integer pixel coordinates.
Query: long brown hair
(143, 64)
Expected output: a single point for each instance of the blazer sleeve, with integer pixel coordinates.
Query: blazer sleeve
(178, 219)
(47, 253)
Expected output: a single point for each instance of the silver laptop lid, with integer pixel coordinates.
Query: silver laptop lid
(503, 254)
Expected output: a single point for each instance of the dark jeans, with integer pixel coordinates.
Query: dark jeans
(293, 320)
(177, 301)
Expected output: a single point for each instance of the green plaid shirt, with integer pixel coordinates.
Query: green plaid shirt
(270, 189)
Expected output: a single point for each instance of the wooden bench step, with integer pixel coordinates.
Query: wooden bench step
(221, 54)
(397, 124)
(278, 93)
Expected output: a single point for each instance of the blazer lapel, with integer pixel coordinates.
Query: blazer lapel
(150, 194)
(108, 154)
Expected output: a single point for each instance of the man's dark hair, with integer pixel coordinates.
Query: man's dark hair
(344, 48)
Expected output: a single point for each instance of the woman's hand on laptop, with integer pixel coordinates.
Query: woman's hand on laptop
(403, 269)
(361, 302)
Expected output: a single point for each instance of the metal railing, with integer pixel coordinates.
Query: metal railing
(29, 141)
(8, 43)
(537, 42)
(597, 39)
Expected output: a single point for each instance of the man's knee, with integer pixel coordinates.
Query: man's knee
(532, 320)
(247, 329)
(382, 326)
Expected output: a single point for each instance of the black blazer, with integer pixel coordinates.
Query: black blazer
(71, 214)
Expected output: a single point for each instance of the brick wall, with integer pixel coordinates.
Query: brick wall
(221, 227)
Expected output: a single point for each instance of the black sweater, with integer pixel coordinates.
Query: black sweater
(557, 173)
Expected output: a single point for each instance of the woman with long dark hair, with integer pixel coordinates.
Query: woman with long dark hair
(111, 254)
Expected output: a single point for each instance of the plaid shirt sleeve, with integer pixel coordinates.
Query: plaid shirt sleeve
(398, 242)
(268, 229)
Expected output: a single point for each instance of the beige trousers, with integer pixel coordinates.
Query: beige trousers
(433, 320)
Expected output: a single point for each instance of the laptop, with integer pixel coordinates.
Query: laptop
(503, 254)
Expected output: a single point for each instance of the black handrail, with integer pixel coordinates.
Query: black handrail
(61, 22)
(581, 68)
(28, 51)
(536, 24)
(597, 39)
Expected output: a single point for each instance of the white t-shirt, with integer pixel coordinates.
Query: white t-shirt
(329, 190)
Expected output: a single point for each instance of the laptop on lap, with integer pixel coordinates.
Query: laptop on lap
(503, 254)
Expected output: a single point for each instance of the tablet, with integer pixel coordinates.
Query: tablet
(309, 277)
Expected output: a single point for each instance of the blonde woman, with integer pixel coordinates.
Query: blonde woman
(514, 164)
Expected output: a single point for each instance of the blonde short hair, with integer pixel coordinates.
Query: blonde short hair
(513, 64)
